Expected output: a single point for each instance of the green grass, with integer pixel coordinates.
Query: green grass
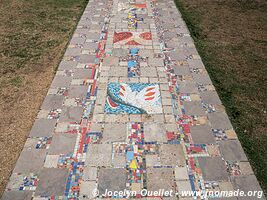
(33, 38)
(231, 39)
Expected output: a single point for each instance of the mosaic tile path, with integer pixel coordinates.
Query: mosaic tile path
(131, 107)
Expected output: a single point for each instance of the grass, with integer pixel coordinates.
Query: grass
(231, 37)
(33, 37)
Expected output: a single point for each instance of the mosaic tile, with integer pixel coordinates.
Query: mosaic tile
(132, 38)
(133, 98)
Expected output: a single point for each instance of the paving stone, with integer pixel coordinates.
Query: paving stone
(76, 91)
(152, 160)
(52, 182)
(114, 132)
(17, 195)
(61, 81)
(210, 97)
(247, 183)
(87, 59)
(71, 114)
(181, 70)
(194, 108)
(111, 61)
(187, 87)
(154, 132)
(219, 120)
(148, 72)
(37, 158)
(43, 128)
(160, 178)
(203, 79)
(181, 173)
(52, 102)
(51, 161)
(89, 173)
(245, 168)
(62, 143)
(120, 52)
(183, 186)
(67, 65)
(99, 155)
(87, 189)
(106, 181)
(118, 71)
(202, 134)
(119, 161)
(213, 169)
(82, 73)
(171, 155)
(232, 150)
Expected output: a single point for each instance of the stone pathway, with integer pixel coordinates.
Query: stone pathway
(131, 107)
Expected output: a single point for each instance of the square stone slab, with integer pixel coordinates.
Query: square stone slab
(171, 155)
(181, 70)
(87, 188)
(183, 186)
(247, 183)
(219, 120)
(203, 79)
(160, 178)
(61, 81)
(210, 97)
(213, 169)
(52, 182)
(67, 65)
(111, 180)
(82, 73)
(152, 160)
(187, 87)
(89, 173)
(43, 128)
(232, 150)
(30, 161)
(71, 114)
(114, 132)
(17, 195)
(181, 173)
(77, 91)
(99, 155)
(119, 161)
(52, 102)
(194, 108)
(154, 132)
(202, 134)
(62, 143)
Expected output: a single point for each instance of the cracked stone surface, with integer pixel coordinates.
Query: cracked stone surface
(131, 107)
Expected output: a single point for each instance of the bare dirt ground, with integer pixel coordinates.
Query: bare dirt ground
(231, 37)
(33, 36)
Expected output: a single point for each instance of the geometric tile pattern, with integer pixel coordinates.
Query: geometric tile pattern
(131, 107)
